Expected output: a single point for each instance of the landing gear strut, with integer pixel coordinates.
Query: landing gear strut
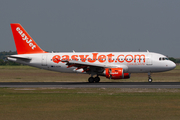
(92, 80)
(149, 77)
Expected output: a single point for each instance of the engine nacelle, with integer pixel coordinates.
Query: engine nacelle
(116, 73)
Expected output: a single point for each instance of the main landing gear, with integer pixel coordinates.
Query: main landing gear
(92, 79)
(149, 77)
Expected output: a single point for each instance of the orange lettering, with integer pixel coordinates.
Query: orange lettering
(130, 60)
(74, 57)
(56, 59)
(83, 59)
(93, 59)
(135, 56)
(102, 58)
(65, 57)
(110, 58)
(118, 58)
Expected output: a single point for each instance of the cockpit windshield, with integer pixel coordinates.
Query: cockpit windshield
(163, 58)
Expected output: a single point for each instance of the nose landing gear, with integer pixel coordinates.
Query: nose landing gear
(149, 77)
(149, 80)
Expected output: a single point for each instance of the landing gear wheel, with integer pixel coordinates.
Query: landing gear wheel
(149, 77)
(91, 80)
(96, 79)
(150, 80)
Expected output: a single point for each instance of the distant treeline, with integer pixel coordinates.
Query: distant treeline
(4, 54)
(176, 60)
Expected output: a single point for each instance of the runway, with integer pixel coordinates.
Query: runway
(90, 85)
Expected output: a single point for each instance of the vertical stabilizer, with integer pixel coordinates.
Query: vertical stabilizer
(23, 41)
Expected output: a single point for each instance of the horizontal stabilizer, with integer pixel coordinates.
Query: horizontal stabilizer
(19, 57)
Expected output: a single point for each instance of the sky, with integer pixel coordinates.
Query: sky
(95, 25)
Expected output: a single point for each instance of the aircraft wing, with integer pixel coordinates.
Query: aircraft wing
(85, 63)
(92, 66)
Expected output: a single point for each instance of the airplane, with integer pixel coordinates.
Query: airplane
(112, 65)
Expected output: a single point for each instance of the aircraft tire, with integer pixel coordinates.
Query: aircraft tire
(96, 79)
(150, 80)
(91, 80)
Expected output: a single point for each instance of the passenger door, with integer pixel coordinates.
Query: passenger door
(149, 60)
(44, 60)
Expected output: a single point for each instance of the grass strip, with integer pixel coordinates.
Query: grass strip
(89, 103)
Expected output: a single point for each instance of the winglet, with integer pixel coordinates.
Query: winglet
(24, 43)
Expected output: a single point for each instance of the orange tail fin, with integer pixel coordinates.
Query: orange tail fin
(24, 43)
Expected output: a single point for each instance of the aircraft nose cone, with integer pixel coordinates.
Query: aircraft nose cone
(171, 65)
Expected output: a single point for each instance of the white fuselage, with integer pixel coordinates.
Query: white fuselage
(131, 62)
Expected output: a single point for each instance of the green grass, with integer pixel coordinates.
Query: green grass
(88, 104)
(177, 67)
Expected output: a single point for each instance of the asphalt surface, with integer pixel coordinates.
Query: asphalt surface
(90, 85)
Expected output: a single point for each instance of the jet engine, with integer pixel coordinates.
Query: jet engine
(116, 73)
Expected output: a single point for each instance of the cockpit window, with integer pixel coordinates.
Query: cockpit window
(163, 58)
